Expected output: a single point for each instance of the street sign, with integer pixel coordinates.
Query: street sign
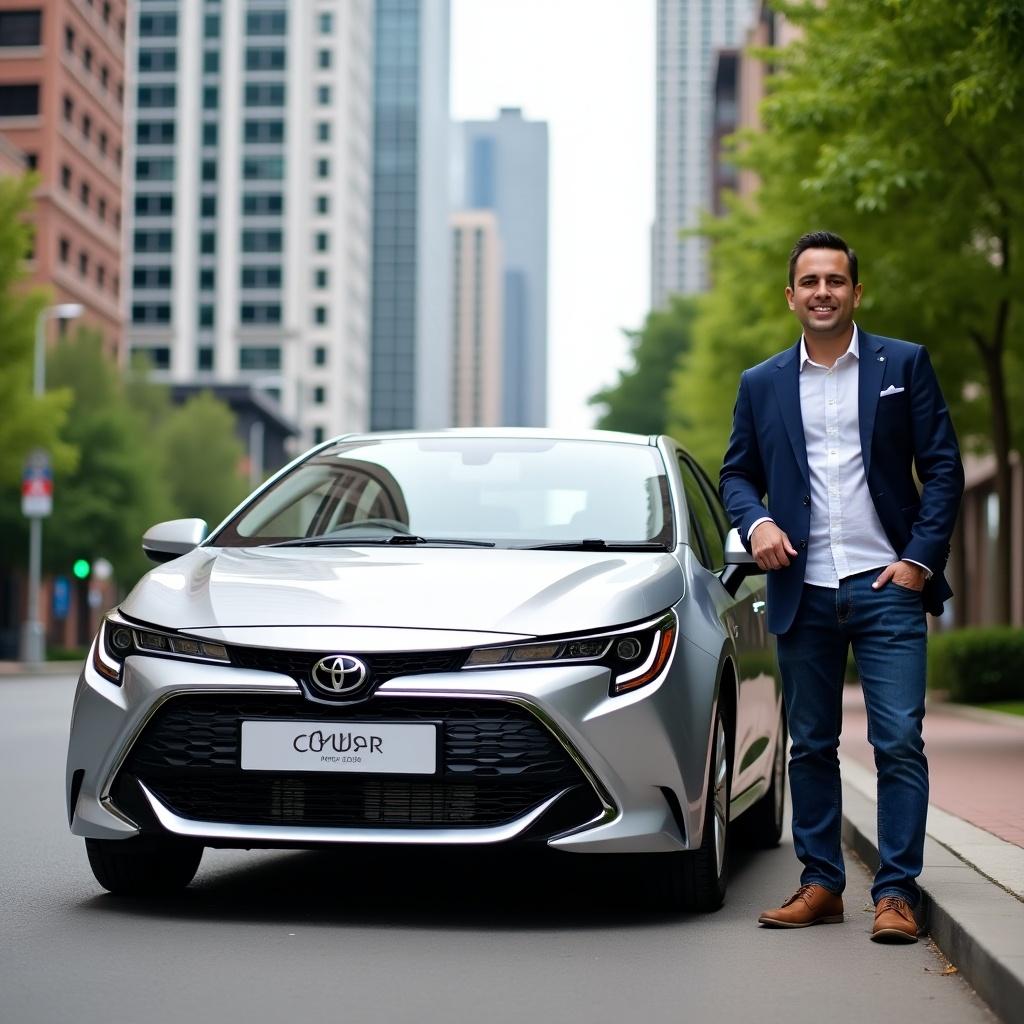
(37, 486)
(61, 597)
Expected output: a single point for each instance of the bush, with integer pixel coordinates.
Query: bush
(976, 666)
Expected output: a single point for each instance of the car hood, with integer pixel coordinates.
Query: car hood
(529, 593)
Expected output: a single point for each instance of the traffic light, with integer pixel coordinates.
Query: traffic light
(81, 568)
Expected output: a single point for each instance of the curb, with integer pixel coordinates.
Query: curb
(43, 668)
(977, 924)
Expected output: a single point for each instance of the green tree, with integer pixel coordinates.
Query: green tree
(201, 457)
(26, 422)
(638, 401)
(899, 124)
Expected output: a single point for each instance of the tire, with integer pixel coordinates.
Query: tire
(143, 867)
(760, 827)
(697, 880)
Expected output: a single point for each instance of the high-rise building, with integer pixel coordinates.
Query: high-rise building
(411, 335)
(249, 230)
(476, 319)
(689, 32)
(61, 106)
(505, 169)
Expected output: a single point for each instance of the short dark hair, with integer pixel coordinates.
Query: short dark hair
(821, 240)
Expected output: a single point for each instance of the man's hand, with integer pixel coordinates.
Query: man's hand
(903, 574)
(771, 547)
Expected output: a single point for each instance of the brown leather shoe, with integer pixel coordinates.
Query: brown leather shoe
(810, 904)
(894, 921)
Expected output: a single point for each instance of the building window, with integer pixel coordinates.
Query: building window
(320, 355)
(105, 77)
(265, 94)
(84, 192)
(151, 313)
(323, 95)
(101, 208)
(69, 109)
(319, 395)
(206, 316)
(154, 133)
(207, 243)
(83, 264)
(157, 357)
(323, 131)
(86, 126)
(265, 58)
(323, 59)
(161, 169)
(323, 204)
(266, 23)
(320, 278)
(207, 206)
(151, 25)
(106, 13)
(323, 168)
(151, 277)
(211, 97)
(101, 276)
(211, 62)
(20, 28)
(263, 168)
(65, 177)
(261, 277)
(264, 131)
(256, 203)
(87, 58)
(207, 279)
(326, 23)
(320, 315)
(262, 241)
(208, 170)
(209, 134)
(260, 313)
(204, 358)
(158, 59)
(152, 241)
(104, 142)
(32, 160)
(156, 96)
(64, 248)
(69, 39)
(322, 241)
(154, 204)
(211, 26)
(259, 357)
(318, 435)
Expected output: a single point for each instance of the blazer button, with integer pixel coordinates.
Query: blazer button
(807, 499)
(803, 544)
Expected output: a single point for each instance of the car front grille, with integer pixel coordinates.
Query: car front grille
(382, 667)
(496, 762)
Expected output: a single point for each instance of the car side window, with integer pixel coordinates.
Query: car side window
(700, 511)
(721, 517)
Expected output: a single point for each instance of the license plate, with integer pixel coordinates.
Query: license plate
(373, 747)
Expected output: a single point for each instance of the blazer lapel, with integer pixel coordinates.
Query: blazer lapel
(787, 390)
(872, 372)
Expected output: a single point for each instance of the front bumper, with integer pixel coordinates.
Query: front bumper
(641, 757)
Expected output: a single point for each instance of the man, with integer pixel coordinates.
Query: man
(832, 430)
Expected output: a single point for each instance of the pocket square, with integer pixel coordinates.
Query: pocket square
(890, 390)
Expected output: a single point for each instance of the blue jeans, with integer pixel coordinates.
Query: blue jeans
(886, 629)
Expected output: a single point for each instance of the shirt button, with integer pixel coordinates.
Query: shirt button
(803, 544)
(807, 499)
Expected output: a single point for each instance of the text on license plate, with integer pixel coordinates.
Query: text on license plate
(384, 748)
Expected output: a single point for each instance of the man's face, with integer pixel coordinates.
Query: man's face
(823, 296)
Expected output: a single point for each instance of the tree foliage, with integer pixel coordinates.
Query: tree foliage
(900, 125)
(638, 401)
(26, 422)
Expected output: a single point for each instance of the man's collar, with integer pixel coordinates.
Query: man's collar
(853, 350)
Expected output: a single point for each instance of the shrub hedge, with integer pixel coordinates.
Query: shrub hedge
(976, 666)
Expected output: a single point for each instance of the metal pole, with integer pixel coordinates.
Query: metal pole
(32, 640)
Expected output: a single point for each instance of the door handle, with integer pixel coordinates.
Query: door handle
(758, 607)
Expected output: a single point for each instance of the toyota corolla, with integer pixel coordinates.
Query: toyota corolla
(455, 638)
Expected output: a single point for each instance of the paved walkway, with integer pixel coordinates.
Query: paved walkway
(975, 762)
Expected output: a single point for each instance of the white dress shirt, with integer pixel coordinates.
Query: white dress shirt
(846, 535)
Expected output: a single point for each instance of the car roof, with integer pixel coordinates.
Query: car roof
(618, 437)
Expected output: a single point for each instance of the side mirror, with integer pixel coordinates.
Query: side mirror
(739, 563)
(173, 538)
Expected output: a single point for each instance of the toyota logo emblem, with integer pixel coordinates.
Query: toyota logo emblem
(340, 673)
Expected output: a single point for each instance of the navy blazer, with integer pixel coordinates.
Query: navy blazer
(903, 432)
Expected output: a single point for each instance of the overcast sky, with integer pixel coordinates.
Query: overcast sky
(587, 68)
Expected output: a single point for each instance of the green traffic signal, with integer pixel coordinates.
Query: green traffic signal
(81, 568)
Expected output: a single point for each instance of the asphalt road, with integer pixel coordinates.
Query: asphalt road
(307, 937)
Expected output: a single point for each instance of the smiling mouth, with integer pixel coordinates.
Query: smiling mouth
(823, 309)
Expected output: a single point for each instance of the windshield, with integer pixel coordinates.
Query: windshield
(514, 492)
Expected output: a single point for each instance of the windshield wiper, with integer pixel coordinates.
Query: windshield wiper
(396, 539)
(596, 544)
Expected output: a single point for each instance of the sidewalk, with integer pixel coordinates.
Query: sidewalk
(43, 668)
(973, 878)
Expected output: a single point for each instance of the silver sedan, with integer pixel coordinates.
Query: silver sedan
(460, 637)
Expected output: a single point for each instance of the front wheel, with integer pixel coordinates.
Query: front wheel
(698, 879)
(143, 866)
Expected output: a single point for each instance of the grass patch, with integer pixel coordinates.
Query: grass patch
(1009, 707)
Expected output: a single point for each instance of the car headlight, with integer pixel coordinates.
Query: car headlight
(118, 638)
(636, 655)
